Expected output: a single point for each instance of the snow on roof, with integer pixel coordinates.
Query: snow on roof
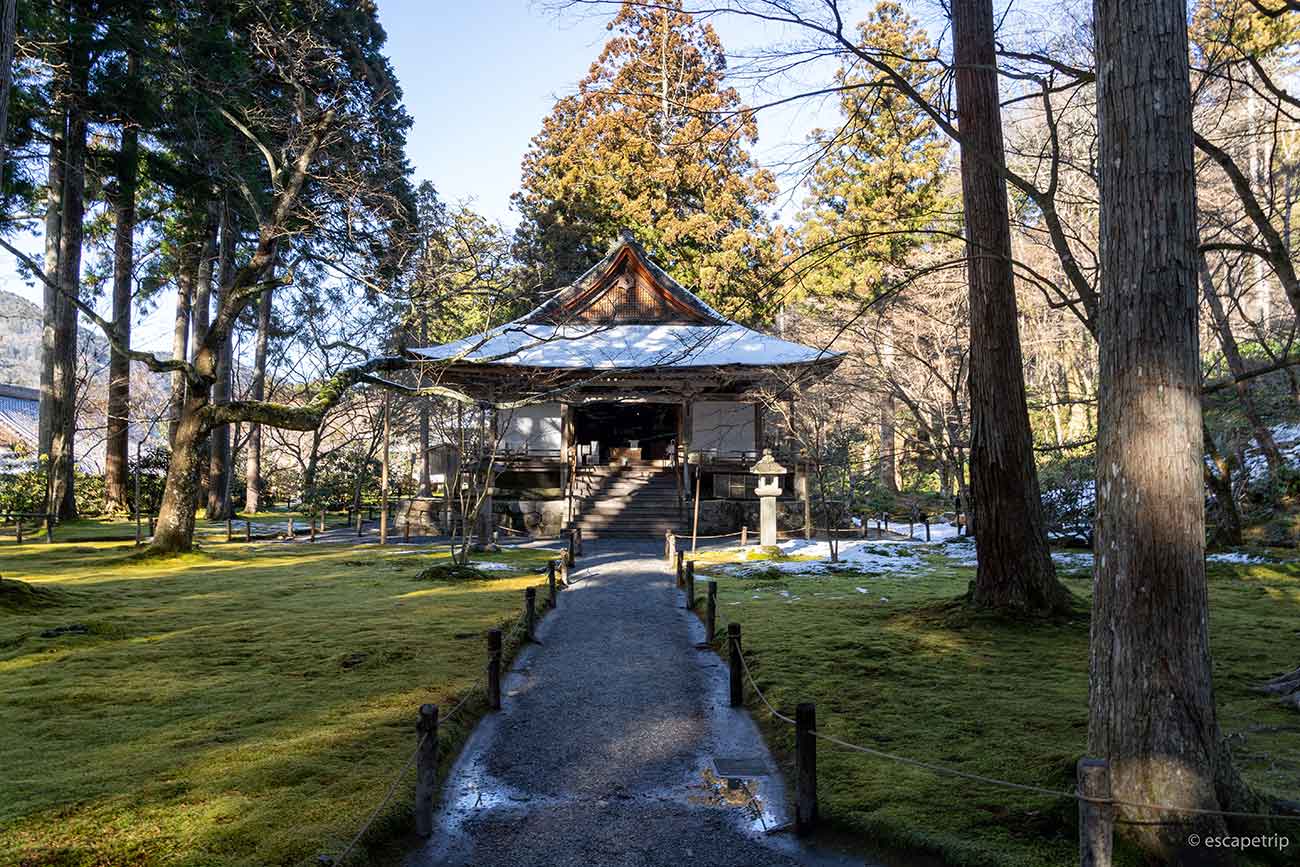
(562, 333)
(617, 347)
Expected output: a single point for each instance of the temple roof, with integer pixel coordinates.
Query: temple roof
(625, 313)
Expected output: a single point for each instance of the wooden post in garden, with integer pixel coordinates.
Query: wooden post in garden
(230, 529)
(737, 682)
(570, 553)
(248, 529)
(926, 520)
(494, 669)
(1096, 821)
(805, 763)
(288, 528)
(710, 611)
(690, 585)
(426, 768)
(681, 569)
(551, 601)
(579, 529)
(311, 526)
(530, 611)
(744, 535)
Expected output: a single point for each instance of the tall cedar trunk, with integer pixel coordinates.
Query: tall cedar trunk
(201, 314)
(63, 384)
(1015, 571)
(181, 333)
(53, 300)
(253, 469)
(1237, 366)
(116, 495)
(1151, 711)
(220, 461)
(887, 463)
(8, 24)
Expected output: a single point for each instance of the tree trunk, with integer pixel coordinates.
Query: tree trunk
(63, 415)
(1237, 366)
(1227, 527)
(220, 463)
(174, 532)
(181, 333)
(116, 495)
(8, 24)
(1015, 571)
(1152, 712)
(253, 469)
(425, 487)
(201, 315)
(53, 299)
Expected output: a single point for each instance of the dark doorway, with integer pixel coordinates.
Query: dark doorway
(644, 431)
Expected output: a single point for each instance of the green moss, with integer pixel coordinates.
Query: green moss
(904, 669)
(245, 705)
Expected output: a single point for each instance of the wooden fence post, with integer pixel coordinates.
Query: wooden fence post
(288, 528)
(248, 529)
(494, 669)
(744, 535)
(530, 612)
(1096, 821)
(579, 531)
(426, 768)
(805, 762)
(570, 553)
(737, 683)
(926, 519)
(681, 569)
(710, 611)
(230, 529)
(551, 601)
(311, 527)
(690, 585)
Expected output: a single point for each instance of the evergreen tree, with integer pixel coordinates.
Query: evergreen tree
(653, 141)
(879, 175)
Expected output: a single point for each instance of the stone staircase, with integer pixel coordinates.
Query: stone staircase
(638, 500)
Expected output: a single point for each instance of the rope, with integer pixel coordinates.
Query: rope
(347, 850)
(1006, 784)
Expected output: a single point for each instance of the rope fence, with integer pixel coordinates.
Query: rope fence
(1096, 806)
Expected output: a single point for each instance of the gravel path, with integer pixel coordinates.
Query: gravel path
(603, 752)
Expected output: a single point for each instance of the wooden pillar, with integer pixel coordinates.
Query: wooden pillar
(426, 768)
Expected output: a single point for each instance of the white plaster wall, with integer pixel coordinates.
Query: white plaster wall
(537, 427)
(723, 425)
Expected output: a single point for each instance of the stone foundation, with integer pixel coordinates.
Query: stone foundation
(537, 518)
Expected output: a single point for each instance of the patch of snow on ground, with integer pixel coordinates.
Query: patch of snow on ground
(490, 565)
(1235, 557)
(961, 553)
(1073, 559)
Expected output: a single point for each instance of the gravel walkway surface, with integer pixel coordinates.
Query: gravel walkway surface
(603, 752)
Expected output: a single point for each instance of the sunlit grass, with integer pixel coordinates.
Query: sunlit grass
(241, 705)
(919, 676)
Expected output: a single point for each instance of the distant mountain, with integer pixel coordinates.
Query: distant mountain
(20, 341)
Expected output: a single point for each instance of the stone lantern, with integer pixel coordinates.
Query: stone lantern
(769, 474)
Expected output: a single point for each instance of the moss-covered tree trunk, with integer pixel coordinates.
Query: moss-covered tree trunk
(174, 532)
(1015, 572)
